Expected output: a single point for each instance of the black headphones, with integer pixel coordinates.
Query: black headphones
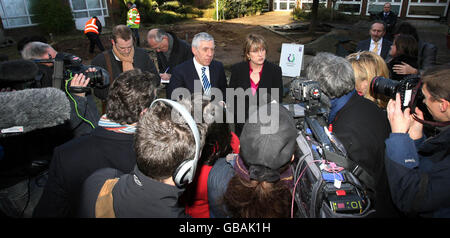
(185, 172)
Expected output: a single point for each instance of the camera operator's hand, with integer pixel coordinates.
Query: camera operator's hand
(79, 80)
(403, 121)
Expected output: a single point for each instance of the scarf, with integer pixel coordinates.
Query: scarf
(337, 104)
(127, 61)
(116, 127)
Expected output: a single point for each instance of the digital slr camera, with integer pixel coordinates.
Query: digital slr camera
(409, 89)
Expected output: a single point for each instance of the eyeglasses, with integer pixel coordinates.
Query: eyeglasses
(158, 47)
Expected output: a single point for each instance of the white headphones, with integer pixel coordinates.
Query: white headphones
(185, 172)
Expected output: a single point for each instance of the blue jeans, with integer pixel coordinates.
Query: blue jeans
(19, 200)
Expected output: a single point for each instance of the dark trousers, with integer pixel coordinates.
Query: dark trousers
(136, 35)
(94, 40)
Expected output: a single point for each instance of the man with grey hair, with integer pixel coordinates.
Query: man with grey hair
(170, 51)
(358, 123)
(84, 112)
(201, 70)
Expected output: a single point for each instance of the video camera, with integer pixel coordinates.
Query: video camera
(409, 89)
(325, 185)
(66, 65)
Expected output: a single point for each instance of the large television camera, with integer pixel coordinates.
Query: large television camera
(67, 65)
(324, 185)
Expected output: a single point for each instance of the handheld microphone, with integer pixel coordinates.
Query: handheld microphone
(31, 109)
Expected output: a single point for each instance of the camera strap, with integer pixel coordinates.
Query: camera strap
(111, 76)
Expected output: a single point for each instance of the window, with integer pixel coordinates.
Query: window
(376, 6)
(16, 13)
(427, 8)
(89, 8)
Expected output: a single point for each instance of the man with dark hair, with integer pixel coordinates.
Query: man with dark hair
(376, 43)
(418, 168)
(170, 51)
(163, 142)
(358, 123)
(123, 56)
(109, 145)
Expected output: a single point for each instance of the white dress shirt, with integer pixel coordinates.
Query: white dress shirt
(198, 68)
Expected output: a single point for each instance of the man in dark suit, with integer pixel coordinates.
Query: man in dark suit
(389, 18)
(170, 51)
(201, 73)
(376, 43)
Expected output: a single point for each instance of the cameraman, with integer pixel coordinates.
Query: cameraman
(358, 123)
(84, 114)
(418, 169)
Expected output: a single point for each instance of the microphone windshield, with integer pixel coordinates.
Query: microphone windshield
(18, 71)
(31, 109)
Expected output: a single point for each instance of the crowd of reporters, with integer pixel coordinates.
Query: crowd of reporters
(131, 149)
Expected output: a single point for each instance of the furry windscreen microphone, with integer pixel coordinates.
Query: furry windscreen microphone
(30, 109)
(18, 71)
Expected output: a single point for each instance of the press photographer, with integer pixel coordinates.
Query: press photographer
(358, 123)
(66, 71)
(418, 169)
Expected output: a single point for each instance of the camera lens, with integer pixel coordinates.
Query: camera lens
(384, 86)
(96, 78)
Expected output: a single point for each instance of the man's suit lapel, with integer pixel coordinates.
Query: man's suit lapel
(213, 74)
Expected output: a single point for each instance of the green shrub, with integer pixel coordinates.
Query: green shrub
(323, 14)
(53, 16)
(229, 9)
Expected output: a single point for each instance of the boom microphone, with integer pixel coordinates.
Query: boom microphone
(17, 71)
(31, 109)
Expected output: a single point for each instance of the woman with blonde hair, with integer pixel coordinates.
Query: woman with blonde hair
(367, 65)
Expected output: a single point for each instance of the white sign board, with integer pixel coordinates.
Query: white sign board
(291, 59)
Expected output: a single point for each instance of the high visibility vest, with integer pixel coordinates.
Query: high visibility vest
(91, 26)
(134, 19)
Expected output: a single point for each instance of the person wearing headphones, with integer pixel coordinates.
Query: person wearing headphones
(167, 146)
(110, 145)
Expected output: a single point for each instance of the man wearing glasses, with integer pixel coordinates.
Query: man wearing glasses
(123, 56)
(170, 51)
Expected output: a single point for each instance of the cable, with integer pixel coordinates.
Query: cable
(75, 102)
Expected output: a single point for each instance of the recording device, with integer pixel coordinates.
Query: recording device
(325, 186)
(31, 109)
(67, 65)
(308, 94)
(409, 89)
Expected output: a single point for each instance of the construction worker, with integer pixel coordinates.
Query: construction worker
(92, 30)
(133, 20)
